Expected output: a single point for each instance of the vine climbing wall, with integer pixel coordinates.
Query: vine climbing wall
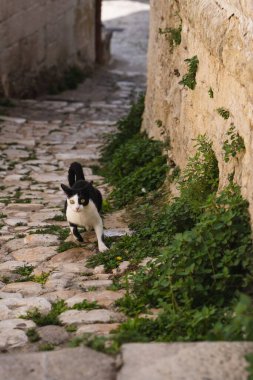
(200, 81)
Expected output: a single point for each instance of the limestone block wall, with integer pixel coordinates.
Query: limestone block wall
(220, 34)
(37, 35)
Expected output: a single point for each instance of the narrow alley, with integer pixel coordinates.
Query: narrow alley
(153, 99)
(40, 265)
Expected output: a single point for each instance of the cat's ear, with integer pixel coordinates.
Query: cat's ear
(66, 190)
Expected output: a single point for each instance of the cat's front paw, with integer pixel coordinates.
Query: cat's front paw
(102, 247)
(80, 239)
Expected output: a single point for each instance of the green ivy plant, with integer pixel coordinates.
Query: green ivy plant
(233, 145)
(172, 35)
(201, 175)
(189, 79)
(223, 112)
(210, 92)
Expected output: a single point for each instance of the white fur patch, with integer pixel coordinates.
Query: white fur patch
(88, 217)
(73, 204)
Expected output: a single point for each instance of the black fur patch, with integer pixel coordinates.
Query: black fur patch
(76, 233)
(84, 189)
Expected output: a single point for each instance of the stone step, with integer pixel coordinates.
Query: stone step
(76, 364)
(185, 361)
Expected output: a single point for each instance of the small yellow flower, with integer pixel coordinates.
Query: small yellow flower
(119, 258)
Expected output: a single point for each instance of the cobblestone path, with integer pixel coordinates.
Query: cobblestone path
(40, 266)
(39, 263)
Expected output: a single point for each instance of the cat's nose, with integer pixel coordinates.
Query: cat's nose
(77, 208)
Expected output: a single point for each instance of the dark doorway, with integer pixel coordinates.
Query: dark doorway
(99, 48)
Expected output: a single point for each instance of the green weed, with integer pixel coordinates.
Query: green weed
(20, 236)
(239, 324)
(40, 279)
(23, 200)
(204, 265)
(5, 279)
(233, 145)
(224, 113)
(20, 224)
(25, 270)
(86, 305)
(64, 246)
(155, 226)
(132, 163)
(71, 328)
(93, 288)
(70, 79)
(189, 79)
(127, 127)
(98, 343)
(26, 275)
(106, 206)
(51, 318)
(33, 335)
(73, 76)
(62, 233)
(172, 35)
(46, 347)
(141, 181)
(76, 342)
(249, 358)
(137, 152)
(136, 168)
(59, 218)
(12, 165)
(6, 201)
(201, 247)
(210, 92)
(201, 176)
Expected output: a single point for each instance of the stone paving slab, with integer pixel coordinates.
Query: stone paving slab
(185, 361)
(97, 329)
(53, 334)
(34, 255)
(104, 298)
(92, 316)
(96, 284)
(74, 364)
(27, 288)
(12, 338)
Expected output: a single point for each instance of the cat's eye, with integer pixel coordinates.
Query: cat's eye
(82, 200)
(72, 201)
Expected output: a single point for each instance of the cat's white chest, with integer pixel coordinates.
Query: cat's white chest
(87, 217)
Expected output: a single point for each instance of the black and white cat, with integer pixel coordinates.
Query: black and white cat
(84, 202)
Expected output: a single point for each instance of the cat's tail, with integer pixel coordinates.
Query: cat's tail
(75, 173)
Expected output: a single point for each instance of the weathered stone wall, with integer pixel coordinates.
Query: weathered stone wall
(220, 33)
(37, 35)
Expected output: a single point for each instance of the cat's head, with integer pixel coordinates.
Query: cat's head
(78, 196)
